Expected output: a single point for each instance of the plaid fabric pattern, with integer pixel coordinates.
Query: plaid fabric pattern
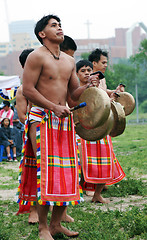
(57, 162)
(99, 163)
(27, 175)
(30, 177)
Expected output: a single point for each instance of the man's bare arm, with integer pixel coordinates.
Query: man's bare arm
(21, 105)
(74, 86)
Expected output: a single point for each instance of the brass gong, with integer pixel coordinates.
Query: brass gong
(97, 108)
(95, 133)
(127, 101)
(119, 119)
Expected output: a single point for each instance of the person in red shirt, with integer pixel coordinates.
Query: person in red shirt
(6, 112)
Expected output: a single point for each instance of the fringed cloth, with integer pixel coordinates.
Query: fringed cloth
(27, 189)
(57, 164)
(99, 163)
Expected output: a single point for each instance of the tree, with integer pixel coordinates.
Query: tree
(85, 55)
(139, 61)
(123, 72)
(130, 72)
(144, 106)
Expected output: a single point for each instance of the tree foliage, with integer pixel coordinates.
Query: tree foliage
(131, 72)
(139, 60)
(144, 106)
(122, 72)
(85, 55)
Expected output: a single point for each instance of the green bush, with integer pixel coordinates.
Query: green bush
(143, 106)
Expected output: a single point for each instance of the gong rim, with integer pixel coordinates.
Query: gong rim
(127, 101)
(119, 119)
(95, 133)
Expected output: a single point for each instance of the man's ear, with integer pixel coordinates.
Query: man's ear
(42, 34)
(94, 63)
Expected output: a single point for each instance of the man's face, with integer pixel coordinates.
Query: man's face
(53, 31)
(101, 65)
(83, 74)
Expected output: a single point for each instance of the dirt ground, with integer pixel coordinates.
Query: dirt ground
(119, 203)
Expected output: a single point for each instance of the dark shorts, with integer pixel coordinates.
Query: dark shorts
(6, 144)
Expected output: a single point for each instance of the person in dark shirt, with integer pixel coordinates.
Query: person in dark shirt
(17, 125)
(7, 138)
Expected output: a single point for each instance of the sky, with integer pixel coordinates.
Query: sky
(104, 16)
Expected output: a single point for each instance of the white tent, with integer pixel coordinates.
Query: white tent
(9, 81)
(8, 87)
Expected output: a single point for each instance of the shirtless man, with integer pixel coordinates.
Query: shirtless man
(69, 47)
(99, 59)
(23, 106)
(47, 75)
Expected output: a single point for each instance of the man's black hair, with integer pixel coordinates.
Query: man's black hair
(96, 54)
(23, 56)
(83, 63)
(68, 44)
(42, 23)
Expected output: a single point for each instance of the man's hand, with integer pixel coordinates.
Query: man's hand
(61, 111)
(120, 88)
(10, 141)
(114, 96)
(94, 80)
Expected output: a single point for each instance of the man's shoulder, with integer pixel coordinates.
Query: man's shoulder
(36, 54)
(67, 58)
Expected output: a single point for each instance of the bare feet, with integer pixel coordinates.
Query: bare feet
(67, 218)
(45, 234)
(33, 216)
(99, 199)
(89, 193)
(60, 229)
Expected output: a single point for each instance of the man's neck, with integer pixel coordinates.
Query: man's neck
(53, 49)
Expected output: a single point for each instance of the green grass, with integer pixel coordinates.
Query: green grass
(92, 222)
(133, 116)
(8, 186)
(11, 180)
(131, 151)
(127, 187)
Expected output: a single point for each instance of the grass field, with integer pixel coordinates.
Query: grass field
(124, 218)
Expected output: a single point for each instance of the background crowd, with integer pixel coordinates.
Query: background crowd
(11, 130)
